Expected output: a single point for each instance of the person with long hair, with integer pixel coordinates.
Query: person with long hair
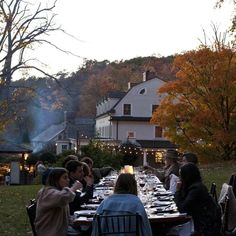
(192, 197)
(124, 200)
(189, 157)
(52, 210)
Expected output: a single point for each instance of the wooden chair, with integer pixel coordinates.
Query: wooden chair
(118, 224)
(31, 211)
(213, 192)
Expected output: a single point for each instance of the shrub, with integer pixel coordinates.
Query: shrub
(102, 156)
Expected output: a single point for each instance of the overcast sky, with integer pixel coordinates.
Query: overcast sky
(124, 29)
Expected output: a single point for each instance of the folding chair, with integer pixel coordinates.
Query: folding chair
(31, 211)
(232, 182)
(118, 224)
(213, 192)
(228, 203)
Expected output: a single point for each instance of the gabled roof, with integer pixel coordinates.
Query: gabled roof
(134, 87)
(49, 133)
(129, 118)
(9, 147)
(85, 127)
(112, 94)
(116, 94)
(123, 94)
(156, 144)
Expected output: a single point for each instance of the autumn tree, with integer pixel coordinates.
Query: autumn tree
(199, 109)
(22, 27)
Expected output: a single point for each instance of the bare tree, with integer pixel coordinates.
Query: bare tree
(21, 28)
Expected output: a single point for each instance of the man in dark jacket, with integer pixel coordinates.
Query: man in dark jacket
(75, 169)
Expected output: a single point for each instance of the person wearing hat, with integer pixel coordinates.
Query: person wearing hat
(171, 167)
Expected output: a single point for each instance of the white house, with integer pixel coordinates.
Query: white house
(127, 115)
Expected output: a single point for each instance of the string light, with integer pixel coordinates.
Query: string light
(129, 148)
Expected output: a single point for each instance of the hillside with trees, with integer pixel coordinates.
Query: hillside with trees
(46, 99)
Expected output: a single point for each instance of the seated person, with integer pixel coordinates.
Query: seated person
(52, 216)
(192, 197)
(75, 169)
(124, 201)
(97, 173)
(87, 172)
(171, 168)
(67, 159)
(189, 157)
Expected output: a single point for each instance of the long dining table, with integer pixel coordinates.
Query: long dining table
(158, 202)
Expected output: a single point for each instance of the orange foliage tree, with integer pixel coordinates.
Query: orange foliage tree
(199, 109)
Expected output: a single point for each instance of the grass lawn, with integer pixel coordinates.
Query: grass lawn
(14, 219)
(13, 199)
(219, 173)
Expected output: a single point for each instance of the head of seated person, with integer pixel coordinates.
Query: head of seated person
(75, 169)
(86, 169)
(171, 157)
(189, 157)
(126, 184)
(88, 176)
(88, 161)
(58, 177)
(69, 158)
(189, 174)
(94, 171)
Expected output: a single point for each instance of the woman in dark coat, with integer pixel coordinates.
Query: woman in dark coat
(193, 198)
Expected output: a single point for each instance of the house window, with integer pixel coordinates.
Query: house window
(154, 107)
(142, 91)
(127, 109)
(64, 147)
(158, 132)
(131, 134)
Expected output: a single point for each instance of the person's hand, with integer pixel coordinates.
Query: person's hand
(178, 185)
(76, 186)
(89, 179)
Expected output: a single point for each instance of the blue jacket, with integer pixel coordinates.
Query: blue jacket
(123, 204)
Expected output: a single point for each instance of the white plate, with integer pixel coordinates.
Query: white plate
(162, 203)
(84, 212)
(90, 206)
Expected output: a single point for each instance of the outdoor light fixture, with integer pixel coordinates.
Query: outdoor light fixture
(26, 155)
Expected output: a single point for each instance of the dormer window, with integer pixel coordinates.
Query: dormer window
(158, 132)
(142, 91)
(154, 107)
(127, 109)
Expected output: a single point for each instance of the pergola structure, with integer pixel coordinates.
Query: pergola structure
(7, 147)
(11, 149)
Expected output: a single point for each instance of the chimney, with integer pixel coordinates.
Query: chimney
(65, 118)
(131, 85)
(147, 75)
